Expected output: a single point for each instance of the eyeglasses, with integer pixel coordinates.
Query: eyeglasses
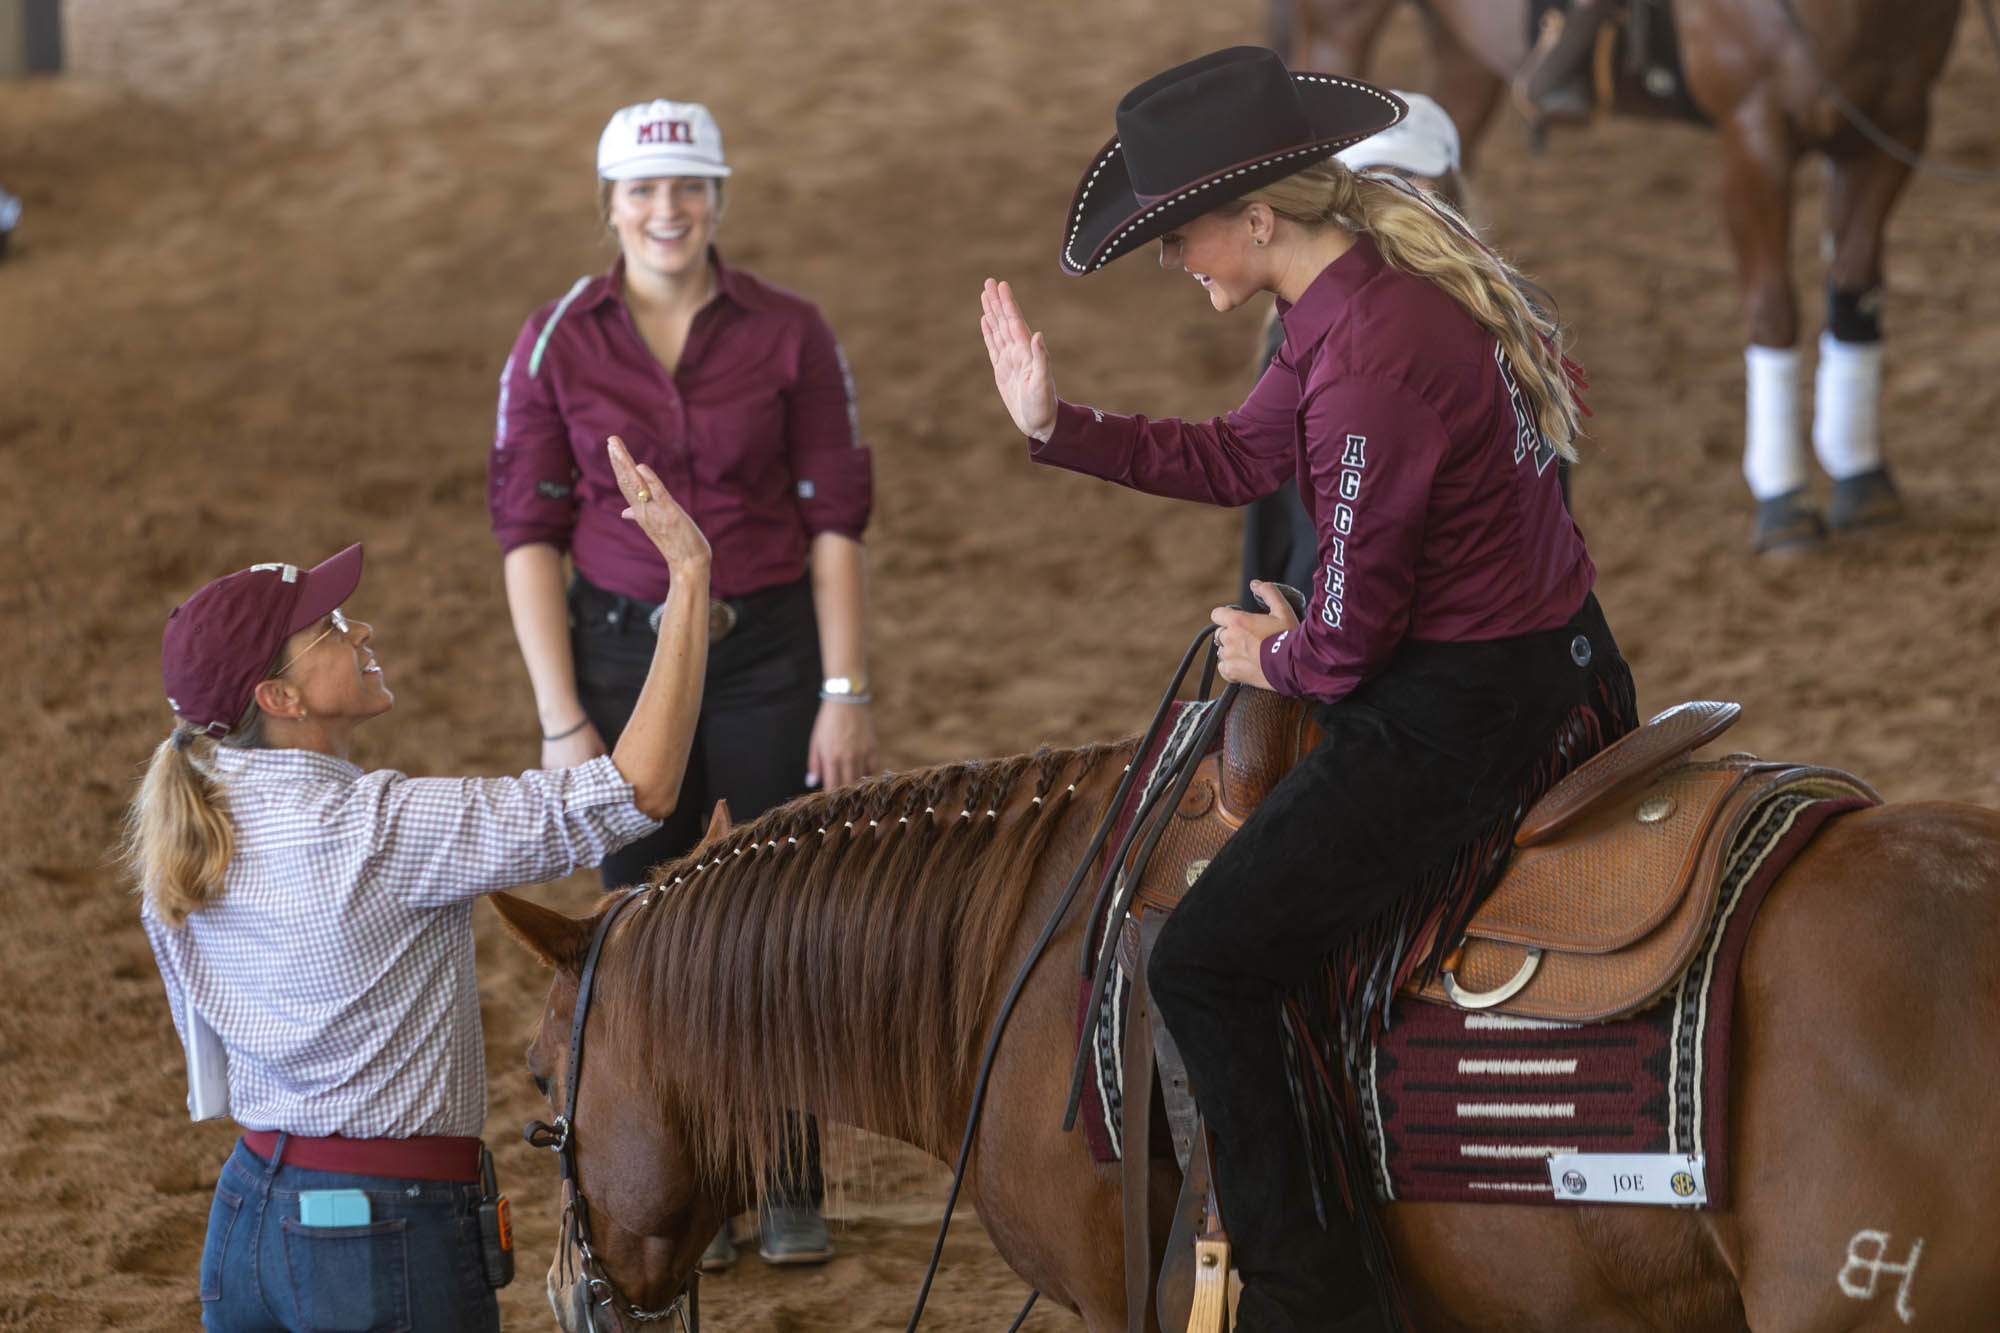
(339, 626)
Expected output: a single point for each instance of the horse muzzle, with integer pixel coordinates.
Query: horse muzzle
(578, 1308)
(574, 1310)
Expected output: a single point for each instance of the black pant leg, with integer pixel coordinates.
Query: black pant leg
(611, 649)
(1260, 921)
(1413, 766)
(761, 702)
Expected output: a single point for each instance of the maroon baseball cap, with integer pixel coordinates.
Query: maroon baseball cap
(223, 640)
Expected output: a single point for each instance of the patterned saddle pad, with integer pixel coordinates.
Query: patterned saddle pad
(1466, 1107)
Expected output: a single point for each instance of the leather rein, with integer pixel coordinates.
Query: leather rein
(1109, 885)
(560, 1135)
(560, 1138)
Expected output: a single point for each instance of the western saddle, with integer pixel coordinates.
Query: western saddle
(1614, 878)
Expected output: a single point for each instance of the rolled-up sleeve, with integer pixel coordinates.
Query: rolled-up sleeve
(1227, 460)
(831, 468)
(531, 471)
(443, 840)
(1375, 448)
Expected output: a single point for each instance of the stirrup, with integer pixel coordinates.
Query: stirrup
(1208, 1312)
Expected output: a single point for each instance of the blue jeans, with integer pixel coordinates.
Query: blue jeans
(415, 1265)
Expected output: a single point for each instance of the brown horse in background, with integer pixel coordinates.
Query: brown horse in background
(847, 954)
(1759, 70)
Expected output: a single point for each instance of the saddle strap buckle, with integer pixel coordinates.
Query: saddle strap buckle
(1501, 993)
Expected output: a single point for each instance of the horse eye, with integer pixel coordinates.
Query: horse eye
(541, 1085)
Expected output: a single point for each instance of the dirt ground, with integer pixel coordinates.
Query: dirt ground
(273, 256)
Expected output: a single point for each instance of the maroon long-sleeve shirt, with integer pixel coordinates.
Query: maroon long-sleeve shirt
(1438, 506)
(753, 433)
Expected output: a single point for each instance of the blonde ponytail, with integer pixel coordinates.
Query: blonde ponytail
(1421, 235)
(178, 836)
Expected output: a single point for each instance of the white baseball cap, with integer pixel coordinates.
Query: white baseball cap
(660, 138)
(1423, 143)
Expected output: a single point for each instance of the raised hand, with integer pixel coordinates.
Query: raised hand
(1020, 361)
(649, 505)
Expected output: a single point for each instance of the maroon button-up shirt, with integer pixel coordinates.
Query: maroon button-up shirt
(754, 433)
(1438, 506)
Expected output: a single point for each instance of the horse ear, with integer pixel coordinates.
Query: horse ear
(718, 823)
(559, 941)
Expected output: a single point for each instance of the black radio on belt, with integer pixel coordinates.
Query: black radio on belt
(496, 1226)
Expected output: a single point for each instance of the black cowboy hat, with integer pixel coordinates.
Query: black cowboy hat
(1207, 132)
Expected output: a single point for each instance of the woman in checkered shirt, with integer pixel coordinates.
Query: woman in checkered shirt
(313, 926)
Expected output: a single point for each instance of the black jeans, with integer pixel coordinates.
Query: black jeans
(1415, 764)
(758, 704)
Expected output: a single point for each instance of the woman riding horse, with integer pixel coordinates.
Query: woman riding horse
(1451, 640)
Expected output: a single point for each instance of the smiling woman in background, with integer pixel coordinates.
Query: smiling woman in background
(737, 392)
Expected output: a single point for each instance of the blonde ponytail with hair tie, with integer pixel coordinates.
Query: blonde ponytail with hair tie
(178, 835)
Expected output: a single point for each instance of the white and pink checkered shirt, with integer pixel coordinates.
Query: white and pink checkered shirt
(337, 966)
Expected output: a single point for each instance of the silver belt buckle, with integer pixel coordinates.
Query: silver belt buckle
(721, 619)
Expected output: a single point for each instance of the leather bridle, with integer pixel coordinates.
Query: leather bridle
(560, 1137)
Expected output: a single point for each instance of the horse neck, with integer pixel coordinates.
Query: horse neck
(847, 953)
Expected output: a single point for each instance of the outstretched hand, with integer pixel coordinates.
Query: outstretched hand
(648, 504)
(1020, 362)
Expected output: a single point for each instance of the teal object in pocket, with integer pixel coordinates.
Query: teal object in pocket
(333, 1208)
(353, 1279)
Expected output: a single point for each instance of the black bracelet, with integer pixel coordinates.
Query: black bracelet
(565, 735)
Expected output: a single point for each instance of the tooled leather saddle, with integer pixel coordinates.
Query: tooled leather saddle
(1612, 886)
(1613, 877)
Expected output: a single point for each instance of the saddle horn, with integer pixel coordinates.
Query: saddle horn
(1265, 735)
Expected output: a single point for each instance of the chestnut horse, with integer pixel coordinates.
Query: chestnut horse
(847, 954)
(1760, 70)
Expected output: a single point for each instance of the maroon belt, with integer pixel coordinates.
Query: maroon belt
(432, 1157)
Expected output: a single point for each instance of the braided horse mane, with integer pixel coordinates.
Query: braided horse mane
(839, 954)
